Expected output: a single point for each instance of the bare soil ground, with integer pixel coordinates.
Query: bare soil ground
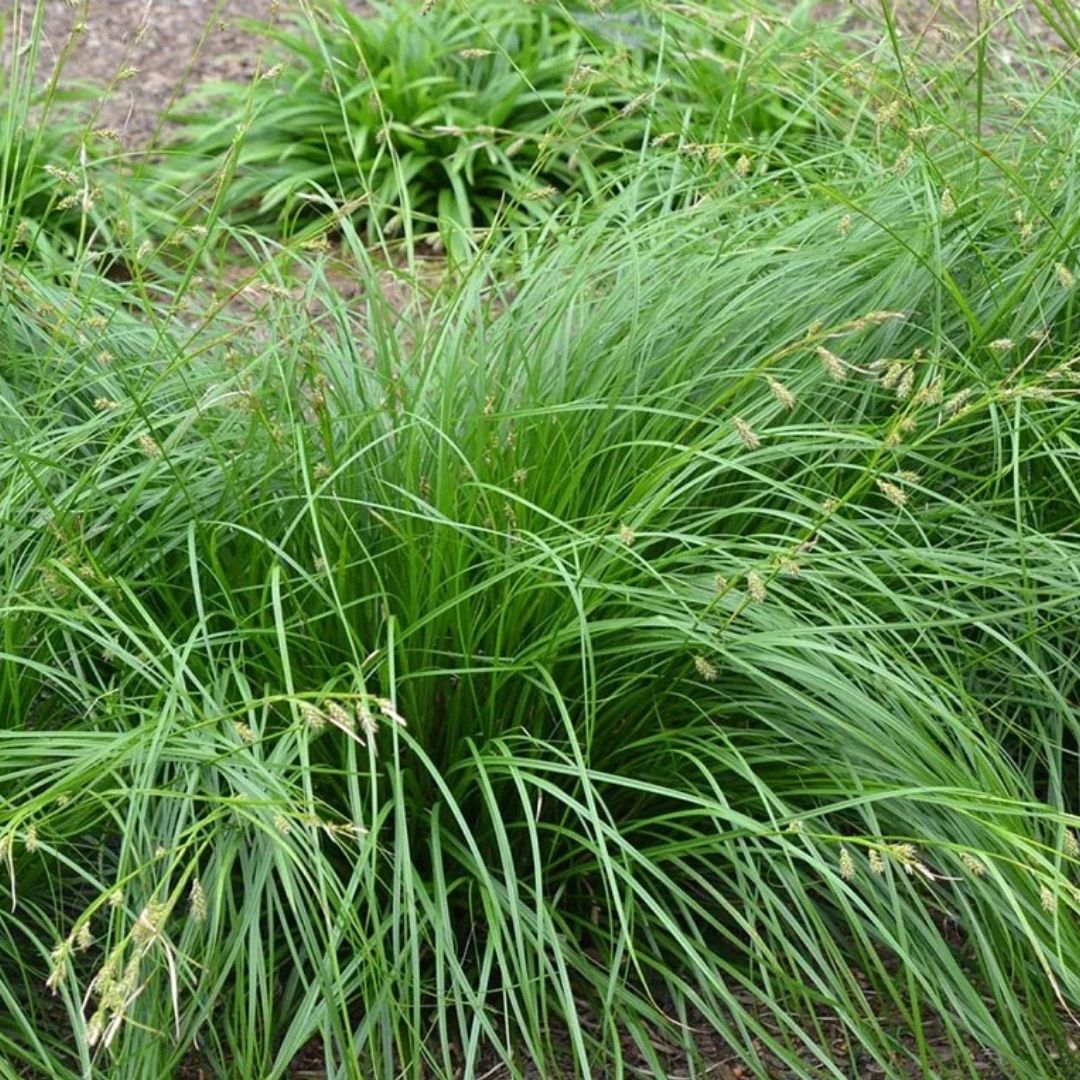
(170, 44)
(147, 52)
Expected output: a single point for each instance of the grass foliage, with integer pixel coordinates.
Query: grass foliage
(465, 115)
(663, 626)
(51, 196)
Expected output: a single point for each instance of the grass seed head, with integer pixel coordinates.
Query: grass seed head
(896, 495)
(62, 176)
(387, 709)
(149, 446)
(905, 854)
(366, 719)
(783, 395)
(893, 371)
(106, 974)
(885, 315)
(755, 587)
(58, 961)
(971, 864)
(95, 1027)
(905, 385)
(888, 114)
(834, 366)
(746, 434)
(128, 982)
(151, 921)
(244, 731)
(847, 865)
(706, 669)
(340, 717)
(930, 394)
(958, 401)
(312, 717)
(197, 901)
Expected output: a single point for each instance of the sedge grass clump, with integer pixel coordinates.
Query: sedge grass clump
(430, 696)
(464, 115)
(55, 195)
(457, 114)
(60, 190)
(664, 631)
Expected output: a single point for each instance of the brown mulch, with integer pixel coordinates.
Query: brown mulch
(949, 29)
(172, 45)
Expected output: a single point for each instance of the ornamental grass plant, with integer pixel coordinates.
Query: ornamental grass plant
(651, 644)
(439, 119)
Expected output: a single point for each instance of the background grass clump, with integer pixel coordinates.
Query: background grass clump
(54, 187)
(650, 642)
(459, 116)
